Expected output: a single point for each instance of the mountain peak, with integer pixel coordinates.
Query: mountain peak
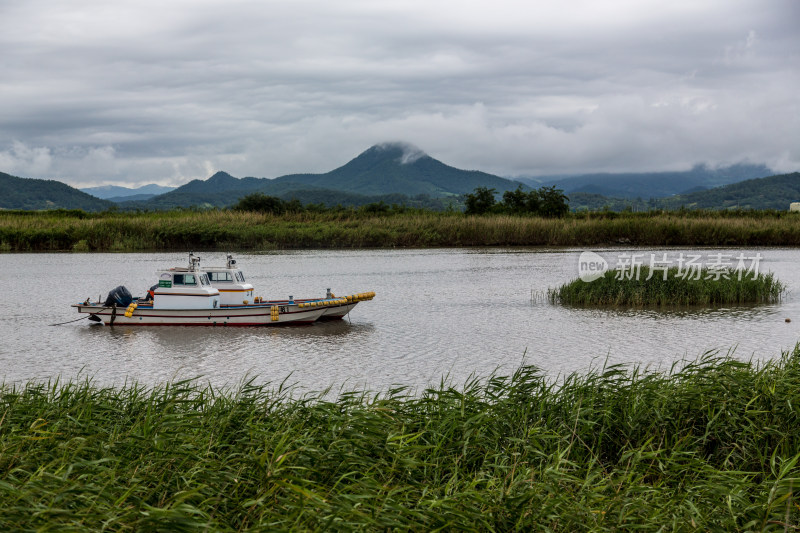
(221, 176)
(401, 168)
(405, 153)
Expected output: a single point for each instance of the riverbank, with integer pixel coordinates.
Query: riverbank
(232, 230)
(711, 446)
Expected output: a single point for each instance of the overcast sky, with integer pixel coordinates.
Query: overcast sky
(131, 92)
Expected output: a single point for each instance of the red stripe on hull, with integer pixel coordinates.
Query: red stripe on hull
(237, 325)
(193, 316)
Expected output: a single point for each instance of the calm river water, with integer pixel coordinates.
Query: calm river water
(437, 313)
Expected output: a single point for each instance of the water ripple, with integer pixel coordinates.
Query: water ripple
(437, 313)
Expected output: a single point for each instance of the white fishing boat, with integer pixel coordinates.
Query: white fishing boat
(184, 296)
(234, 290)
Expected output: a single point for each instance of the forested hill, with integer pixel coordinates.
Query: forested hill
(26, 193)
(774, 192)
(652, 184)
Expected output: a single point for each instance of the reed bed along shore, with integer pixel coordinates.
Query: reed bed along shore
(214, 229)
(670, 287)
(712, 445)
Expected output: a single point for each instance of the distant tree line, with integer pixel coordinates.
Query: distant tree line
(262, 203)
(545, 202)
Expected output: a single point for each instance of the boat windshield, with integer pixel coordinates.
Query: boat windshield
(224, 277)
(240, 276)
(184, 279)
(204, 280)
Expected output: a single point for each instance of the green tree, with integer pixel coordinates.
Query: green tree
(519, 202)
(480, 201)
(261, 203)
(533, 203)
(294, 206)
(553, 202)
(376, 208)
(515, 201)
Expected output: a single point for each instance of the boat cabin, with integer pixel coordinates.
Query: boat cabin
(230, 283)
(185, 288)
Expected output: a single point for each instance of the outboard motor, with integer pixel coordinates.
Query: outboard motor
(120, 296)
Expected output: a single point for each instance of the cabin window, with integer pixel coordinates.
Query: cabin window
(184, 279)
(204, 280)
(240, 276)
(224, 277)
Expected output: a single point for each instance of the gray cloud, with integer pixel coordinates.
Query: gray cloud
(136, 92)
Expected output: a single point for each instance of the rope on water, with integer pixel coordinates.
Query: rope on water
(70, 321)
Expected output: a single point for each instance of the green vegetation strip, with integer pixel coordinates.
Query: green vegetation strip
(710, 446)
(670, 287)
(22, 231)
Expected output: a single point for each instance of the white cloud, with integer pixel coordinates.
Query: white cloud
(743, 50)
(22, 157)
(136, 92)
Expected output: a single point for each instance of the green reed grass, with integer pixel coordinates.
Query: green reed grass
(709, 445)
(215, 229)
(672, 287)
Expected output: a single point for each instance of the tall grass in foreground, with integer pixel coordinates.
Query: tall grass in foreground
(233, 230)
(660, 288)
(713, 445)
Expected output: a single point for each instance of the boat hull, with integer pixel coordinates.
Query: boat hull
(244, 315)
(337, 312)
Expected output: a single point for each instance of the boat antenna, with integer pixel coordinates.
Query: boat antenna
(194, 262)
